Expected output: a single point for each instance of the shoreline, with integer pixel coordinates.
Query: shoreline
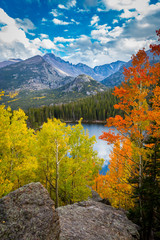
(87, 121)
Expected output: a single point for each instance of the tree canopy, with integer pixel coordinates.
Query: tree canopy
(134, 170)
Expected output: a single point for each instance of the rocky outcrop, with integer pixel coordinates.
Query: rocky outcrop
(90, 220)
(28, 214)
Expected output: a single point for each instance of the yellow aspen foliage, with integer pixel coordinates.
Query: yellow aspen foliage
(66, 161)
(17, 161)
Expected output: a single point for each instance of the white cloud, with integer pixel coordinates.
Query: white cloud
(115, 21)
(70, 4)
(141, 8)
(116, 32)
(129, 14)
(95, 19)
(13, 40)
(126, 4)
(44, 20)
(60, 46)
(101, 10)
(55, 13)
(44, 43)
(61, 6)
(72, 20)
(101, 33)
(79, 10)
(42, 35)
(11, 32)
(47, 44)
(60, 22)
(25, 24)
(62, 39)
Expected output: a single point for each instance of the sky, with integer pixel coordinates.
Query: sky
(93, 32)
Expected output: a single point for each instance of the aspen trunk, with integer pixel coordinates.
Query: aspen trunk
(57, 176)
(140, 186)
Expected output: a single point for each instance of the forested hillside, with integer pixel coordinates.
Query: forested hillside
(93, 108)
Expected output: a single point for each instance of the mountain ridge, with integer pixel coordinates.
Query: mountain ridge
(116, 78)
(76, 69)
(65, 68)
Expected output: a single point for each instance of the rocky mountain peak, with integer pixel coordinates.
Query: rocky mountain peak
(83, 78)
(34, 60)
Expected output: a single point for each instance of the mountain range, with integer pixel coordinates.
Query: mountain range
(44, 77)
(49, 79)
(117, 77)
(68, 69)
(48, 72)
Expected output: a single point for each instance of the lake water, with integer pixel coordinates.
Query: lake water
(100, 146)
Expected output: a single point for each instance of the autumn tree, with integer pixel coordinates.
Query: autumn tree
(85, 163)
(66, 161)
(51, 147)
(114, 185)
(139, 99)
(17, 162)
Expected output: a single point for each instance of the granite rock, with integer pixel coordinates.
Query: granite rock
(28, 214)
(91, 220)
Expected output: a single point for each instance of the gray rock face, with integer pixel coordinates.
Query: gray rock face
(84, 84)
(28, 214)
(90, 220)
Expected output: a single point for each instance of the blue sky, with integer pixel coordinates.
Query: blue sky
(93, 32)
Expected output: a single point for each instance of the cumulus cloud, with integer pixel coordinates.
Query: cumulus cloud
(132, 8)
(44, 20)
(110, 43)
(11, 31)
(95, 19)
(69, 4)
(72, 20)
(44, 43)
(101, 33)
(13, 40)
(63, 40)
(42, 36)
(25, 24)
(101, 10)
(61, 6)
(115, 21)
(56, 13)
(60, 22)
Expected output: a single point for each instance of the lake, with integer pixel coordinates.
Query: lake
(100, 146)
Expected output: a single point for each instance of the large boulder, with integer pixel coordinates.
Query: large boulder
(91, 220)
(28, 214)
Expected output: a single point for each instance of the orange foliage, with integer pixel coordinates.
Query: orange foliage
(140, 119)
(114, 185)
